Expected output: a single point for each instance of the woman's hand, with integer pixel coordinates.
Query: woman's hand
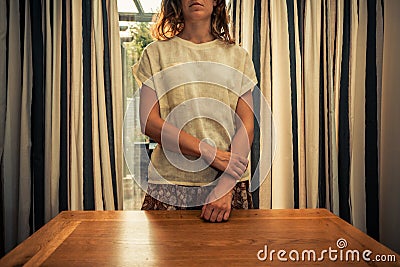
(219, 200)
(231, 163)
(218, 210)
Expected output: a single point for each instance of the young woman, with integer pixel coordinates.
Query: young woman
(196, 100)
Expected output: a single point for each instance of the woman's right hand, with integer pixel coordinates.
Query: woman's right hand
(231, 163)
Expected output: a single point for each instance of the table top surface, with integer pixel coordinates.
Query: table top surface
(180, 238)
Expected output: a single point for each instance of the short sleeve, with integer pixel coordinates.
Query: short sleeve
(249, 79)
(142, 69)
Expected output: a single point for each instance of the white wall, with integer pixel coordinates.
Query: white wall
(390, 129)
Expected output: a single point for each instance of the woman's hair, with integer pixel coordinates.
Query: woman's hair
(170, 22)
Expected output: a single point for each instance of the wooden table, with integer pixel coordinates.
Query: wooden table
(180, 238)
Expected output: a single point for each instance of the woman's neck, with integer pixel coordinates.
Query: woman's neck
(197, 32)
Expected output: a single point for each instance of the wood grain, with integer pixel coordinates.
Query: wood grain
(181, 238)
(45, 240)
(51, 246)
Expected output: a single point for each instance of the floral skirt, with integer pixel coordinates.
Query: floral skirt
(173, 197)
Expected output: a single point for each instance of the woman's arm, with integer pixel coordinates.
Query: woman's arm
(153, 125)
(220, 198)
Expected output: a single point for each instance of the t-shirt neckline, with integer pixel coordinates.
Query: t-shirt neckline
(194, 45)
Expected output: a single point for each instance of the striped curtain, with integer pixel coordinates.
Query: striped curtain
(319, 66)
(60, 112)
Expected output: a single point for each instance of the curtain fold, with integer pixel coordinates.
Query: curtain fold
(63, 188)
(102, 124)
(282, 170)
(16, 161)
(52, 102)
(266, 123)
(88, 178)
(97, 170)
(25, 121)
(10, 163)
(312, 102)
(109, 102)
(371, 123)
(343, 117)
(357, 114)
(76, 111)
(294, 66)
(37, 125)
(61, 95)
(117, 97)
(335, 39)
(254, 48)
(247, 9)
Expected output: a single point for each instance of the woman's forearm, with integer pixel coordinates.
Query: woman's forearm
(241, 142)
(156, 128)
(187, 144)
(243, 138)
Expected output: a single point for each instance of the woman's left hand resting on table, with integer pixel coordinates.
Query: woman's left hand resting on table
(218, 210)
(219, 201)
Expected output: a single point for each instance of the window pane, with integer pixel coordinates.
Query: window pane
(127, 6)
(134, 36)
(151, 6)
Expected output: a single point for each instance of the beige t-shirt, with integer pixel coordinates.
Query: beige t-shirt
(197, 86)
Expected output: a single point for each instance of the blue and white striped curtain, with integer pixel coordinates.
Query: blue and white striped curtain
(319, 65)
(60, 112)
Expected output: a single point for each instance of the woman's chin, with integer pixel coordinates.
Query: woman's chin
(197, 15)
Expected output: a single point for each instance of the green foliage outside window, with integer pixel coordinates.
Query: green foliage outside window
(141, 37)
